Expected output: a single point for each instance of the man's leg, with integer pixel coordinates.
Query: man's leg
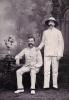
(47, 64)
(19, 74)
(33, 78)
(55, 64)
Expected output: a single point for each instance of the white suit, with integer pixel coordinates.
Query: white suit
(33, 62)
(53, 44)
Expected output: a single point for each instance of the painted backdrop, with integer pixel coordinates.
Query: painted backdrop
(19, 18)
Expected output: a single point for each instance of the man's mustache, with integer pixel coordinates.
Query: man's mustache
(30, 43)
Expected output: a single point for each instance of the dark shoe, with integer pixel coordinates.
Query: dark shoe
(46, 89)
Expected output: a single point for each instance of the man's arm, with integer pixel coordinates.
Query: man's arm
(42, 42)
(60, 45)
(19, 56)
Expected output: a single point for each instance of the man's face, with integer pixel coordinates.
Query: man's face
(31, 42)
(51, 23)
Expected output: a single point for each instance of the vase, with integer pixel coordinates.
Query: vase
(9, 52)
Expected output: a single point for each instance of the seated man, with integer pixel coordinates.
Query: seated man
(33, 63)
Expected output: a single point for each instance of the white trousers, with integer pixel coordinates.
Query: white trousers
(48, 61)
(23, 70)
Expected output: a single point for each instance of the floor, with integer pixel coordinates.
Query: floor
(61, 94)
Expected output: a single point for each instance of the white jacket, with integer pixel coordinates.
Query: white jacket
(33, 57)
(53, 42)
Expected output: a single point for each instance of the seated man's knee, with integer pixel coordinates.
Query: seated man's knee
(33, 71)
(18, 72)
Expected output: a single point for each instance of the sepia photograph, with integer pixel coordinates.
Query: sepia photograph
(34, 49)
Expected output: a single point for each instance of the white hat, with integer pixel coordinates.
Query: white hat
(51, 19)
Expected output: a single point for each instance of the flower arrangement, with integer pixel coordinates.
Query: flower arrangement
(9, 43)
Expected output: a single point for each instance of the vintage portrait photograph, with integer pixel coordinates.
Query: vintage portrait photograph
(34, 49)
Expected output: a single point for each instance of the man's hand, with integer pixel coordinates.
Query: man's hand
(32, 66)
(16, 57)
(58, 58)
(17, 62)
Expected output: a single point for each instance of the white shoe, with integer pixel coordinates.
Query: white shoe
(19, 91)
(55, 86)
(32, 91)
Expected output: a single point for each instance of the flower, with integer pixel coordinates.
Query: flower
(10, 42)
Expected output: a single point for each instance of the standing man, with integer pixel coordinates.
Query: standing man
(53, 44)
(32, 64)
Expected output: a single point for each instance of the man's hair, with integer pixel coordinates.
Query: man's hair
(31, 37)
